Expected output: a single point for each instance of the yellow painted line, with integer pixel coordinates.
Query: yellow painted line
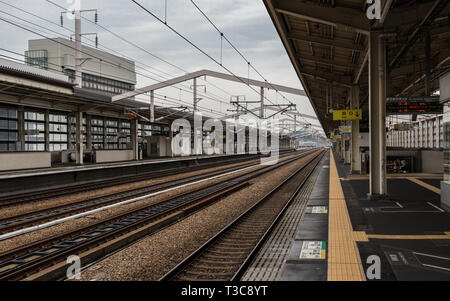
(426, 185)
(366, 177)
(344, 263)
(382, 236)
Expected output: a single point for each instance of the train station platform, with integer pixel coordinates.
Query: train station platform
(20, 181)
(341, 229)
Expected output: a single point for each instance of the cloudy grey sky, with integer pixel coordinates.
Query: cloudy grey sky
(245, 22)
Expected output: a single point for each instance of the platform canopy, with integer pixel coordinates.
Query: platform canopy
(327, 42)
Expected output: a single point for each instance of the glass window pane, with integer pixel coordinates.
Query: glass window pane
(12, 136)
(12, 125)
(12, 113)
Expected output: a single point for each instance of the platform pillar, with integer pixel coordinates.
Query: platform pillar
(134, 138)
(79, 137)
(21, 129)
(377, 113)
(356, 154)
(348, 148)
(88, 133)
(339, 148)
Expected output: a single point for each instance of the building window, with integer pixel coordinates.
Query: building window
(97, 132)
(103, 84)
(37, 58)
(34, 125)
(58, 132)
(8, 130)
(125, 135)
(112, 131)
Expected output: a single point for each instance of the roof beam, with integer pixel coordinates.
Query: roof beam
(427, 20)
(339, 79)
(210, 73)
(324, 61)
(341, 17)
(325, 41)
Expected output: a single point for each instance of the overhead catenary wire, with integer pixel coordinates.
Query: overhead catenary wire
(144, 68)
(224, 37)
(197, 47)
(157, 96)
(33, 31)
(45, 28)
(133, 44)
(140, 48)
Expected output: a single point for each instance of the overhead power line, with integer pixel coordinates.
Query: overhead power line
(58, 42)
(250, 65)
(197, 47)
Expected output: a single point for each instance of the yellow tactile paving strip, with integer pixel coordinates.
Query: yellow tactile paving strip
(344, 262)
(425, 185)
(381, 236)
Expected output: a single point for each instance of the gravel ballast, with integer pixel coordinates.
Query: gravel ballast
(153, 256)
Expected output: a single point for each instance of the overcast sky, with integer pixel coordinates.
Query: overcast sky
(245, 22)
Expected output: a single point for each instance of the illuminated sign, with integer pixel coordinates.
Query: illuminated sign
(347, 114)
(413, 105)
(344, 129)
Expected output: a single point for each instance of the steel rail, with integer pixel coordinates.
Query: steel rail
(38, 195)
(21, 262)
(40, 216)
(211, 243)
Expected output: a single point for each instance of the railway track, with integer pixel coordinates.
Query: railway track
(45, 259)
(226, 256)
(34, 196)
(20, 221)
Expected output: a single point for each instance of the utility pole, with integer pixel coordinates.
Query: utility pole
(196, 99)
(152, 106)
(195, 94)
(261, 112)
(78, 58)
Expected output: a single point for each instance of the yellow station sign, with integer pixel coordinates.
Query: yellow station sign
(347, 114)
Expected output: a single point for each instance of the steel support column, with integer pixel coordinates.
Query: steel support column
(348, 147)
(79, 136)
(78, 59)
(356, 155)
(152, 106)
(134, 138)
(194, 86)
(377, 113)
(261, 113)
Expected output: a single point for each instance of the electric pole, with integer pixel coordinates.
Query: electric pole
(78, 58)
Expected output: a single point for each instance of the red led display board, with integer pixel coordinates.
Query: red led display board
(413, 105)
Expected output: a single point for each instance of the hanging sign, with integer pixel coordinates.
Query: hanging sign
(347, 114)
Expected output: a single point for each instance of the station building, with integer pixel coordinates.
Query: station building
(41, 110)
(102, 71)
